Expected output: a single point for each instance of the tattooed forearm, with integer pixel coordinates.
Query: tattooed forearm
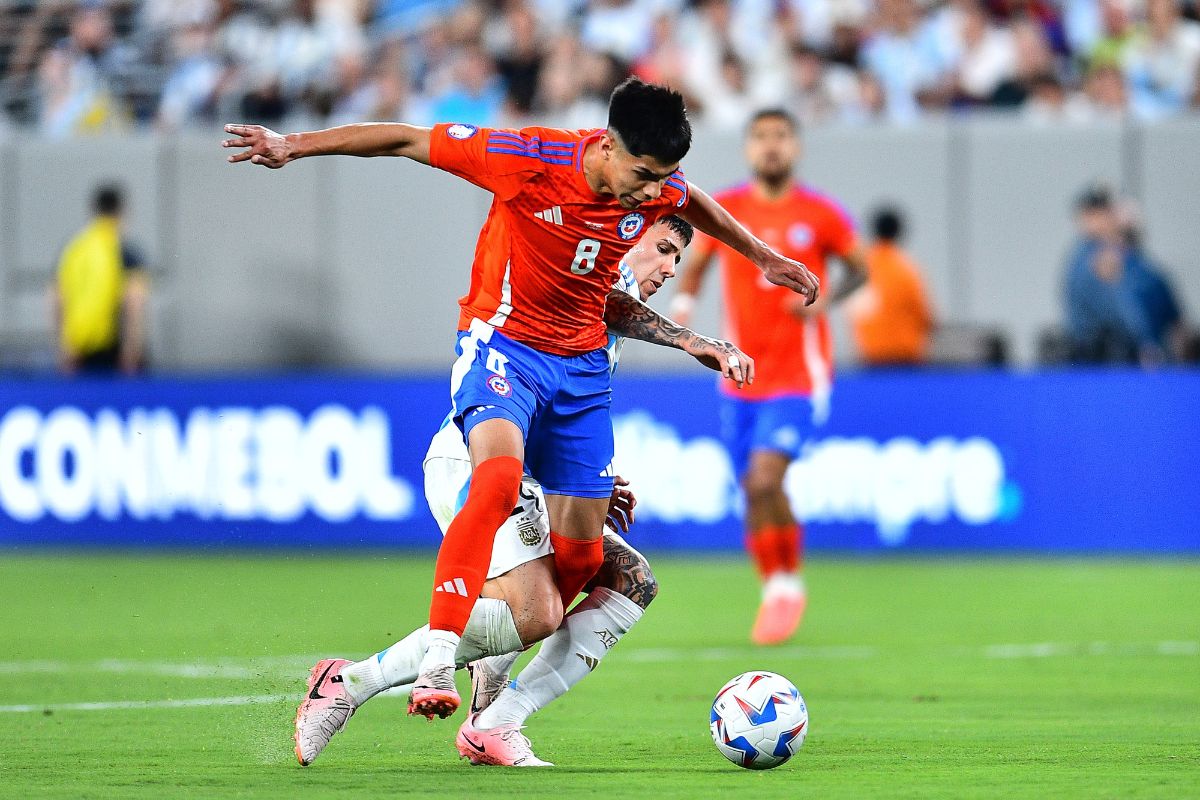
(628, 316)
(626, 572)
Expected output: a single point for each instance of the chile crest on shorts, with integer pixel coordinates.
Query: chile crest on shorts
(631, 225)
(500, 385)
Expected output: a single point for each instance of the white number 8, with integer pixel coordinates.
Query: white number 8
(585, 256)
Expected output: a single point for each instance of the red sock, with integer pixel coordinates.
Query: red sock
(576, 562)
(466, 550)
(761, 546)
(789, 544)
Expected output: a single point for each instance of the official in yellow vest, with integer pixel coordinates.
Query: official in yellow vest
(100, 295)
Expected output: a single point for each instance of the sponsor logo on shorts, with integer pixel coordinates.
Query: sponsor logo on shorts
(591, 661)
(500, 386)
(631, 225)
(461, 131)
(787, 438)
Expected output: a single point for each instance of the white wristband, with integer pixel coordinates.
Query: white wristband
(682, 303)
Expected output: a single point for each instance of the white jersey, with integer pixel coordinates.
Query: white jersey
(448, 442)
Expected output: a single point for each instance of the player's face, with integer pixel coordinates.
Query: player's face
(633, 179)
(772, 148)
(654, 258)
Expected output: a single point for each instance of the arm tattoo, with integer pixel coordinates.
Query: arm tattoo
(626, 572)
(628, 316)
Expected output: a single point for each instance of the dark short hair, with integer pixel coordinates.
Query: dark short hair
(1095, 197)
(888, 223)
(108, 200)
(680, 226)
(775, 112)
(650, 120)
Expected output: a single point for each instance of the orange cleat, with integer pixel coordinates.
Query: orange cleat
(778, 618)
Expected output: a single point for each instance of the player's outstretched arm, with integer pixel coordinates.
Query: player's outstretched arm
(626, 316)
(708, 216)
(272, 150)
(853, 278)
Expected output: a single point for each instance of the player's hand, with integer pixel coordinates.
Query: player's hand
(793, 275)
(723, 357)
(263, 146)
(800, 308)
(620, 506)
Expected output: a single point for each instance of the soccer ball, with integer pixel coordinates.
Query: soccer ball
(758, 720)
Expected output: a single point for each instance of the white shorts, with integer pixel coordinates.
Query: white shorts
(524, 536)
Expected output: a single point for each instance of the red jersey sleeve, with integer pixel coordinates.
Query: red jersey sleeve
(494, 159)
(839, 233)
(677, 191)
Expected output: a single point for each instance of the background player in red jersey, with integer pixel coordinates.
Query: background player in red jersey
(531, 386)
(766, 425)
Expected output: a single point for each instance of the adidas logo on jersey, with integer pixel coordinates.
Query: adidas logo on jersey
(551, 215)
(456, 586)
(591, 661)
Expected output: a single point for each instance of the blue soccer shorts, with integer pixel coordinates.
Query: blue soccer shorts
(780, 424)
(562, 405)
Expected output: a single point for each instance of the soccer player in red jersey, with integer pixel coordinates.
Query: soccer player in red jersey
(530, 389)
(766, 425)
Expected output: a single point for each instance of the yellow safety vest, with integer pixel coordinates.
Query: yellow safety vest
(91, 283)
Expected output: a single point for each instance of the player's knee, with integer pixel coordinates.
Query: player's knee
(761, 486)
(496, 481)
(540, 616)
(647, 588)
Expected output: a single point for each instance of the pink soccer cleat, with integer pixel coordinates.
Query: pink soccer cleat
(502, 746)
(486, 685)
(434, 694)
(778, 618)
(325, 710)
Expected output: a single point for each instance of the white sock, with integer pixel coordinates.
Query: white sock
(783, 583)
(568, 656)
(490, 631)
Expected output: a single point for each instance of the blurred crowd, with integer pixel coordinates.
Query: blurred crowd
(79, 66)
(1118, 302)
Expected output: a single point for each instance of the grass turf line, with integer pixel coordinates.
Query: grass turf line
(909, 693)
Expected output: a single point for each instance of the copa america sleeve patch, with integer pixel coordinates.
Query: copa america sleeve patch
(461, 131)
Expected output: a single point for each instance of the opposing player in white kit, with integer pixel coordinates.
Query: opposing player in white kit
(520, 599)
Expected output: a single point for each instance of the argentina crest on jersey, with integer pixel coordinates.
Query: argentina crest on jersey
(631, 225)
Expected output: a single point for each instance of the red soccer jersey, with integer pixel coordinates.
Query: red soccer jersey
(792, 355)
(549, 251)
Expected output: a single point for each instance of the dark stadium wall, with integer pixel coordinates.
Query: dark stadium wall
(358, 263)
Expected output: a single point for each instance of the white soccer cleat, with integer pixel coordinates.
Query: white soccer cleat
(325, 710)
(486, 685)
(502, 746)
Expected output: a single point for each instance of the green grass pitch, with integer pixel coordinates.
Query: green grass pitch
(952, 678)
